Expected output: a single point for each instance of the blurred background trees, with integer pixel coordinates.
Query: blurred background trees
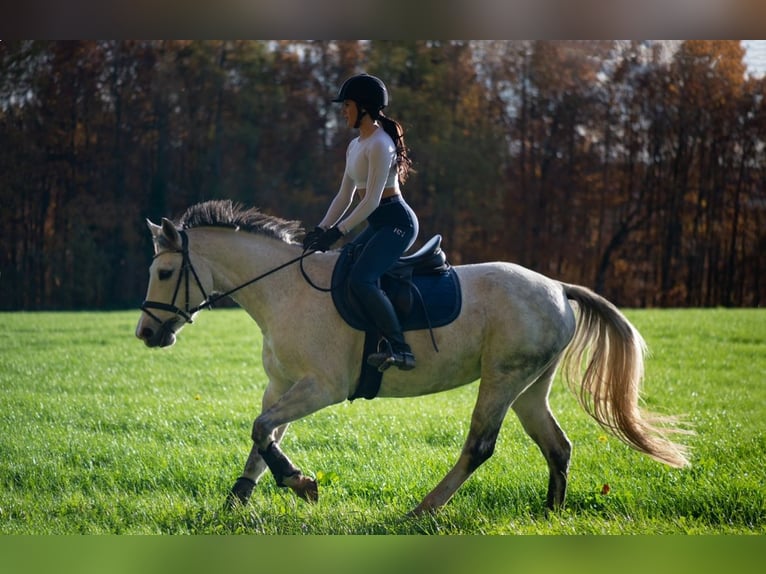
(636, 168)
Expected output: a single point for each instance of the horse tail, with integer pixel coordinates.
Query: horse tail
(609, 390)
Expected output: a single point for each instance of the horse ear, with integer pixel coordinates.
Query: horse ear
(156, 232)
(154, 228)
(170, 237)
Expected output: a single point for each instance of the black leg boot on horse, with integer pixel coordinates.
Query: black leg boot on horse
(393, 350)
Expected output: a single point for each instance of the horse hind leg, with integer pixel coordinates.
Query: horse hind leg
(492, 404)
(539, 423)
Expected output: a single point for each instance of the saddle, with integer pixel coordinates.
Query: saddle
(423, 288)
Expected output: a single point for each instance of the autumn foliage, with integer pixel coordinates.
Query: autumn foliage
(635, 168)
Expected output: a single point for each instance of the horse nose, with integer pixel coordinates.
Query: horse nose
(145, 333)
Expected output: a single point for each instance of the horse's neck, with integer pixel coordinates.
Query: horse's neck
(235, 258)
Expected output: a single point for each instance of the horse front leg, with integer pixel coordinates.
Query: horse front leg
(304, 398)
(254, 468)
(287, 474)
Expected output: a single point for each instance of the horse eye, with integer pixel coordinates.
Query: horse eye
(165, 274)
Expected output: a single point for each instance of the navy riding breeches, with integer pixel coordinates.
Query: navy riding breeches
(392, 229)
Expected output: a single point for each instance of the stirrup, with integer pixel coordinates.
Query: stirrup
(387, 357)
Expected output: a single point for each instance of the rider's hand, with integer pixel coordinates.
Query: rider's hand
(311, 237)
(327, 239)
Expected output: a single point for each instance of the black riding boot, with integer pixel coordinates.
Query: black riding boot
(394, 351)
(387, 357)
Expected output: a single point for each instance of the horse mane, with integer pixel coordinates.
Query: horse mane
(228, 214)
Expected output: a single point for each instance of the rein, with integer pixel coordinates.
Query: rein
(208, 300)
(308, 279)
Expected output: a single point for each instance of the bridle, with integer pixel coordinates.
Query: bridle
(187, 270)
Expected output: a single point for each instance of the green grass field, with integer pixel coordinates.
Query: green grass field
(99, 434)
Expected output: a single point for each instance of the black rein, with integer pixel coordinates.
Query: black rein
(208, 300)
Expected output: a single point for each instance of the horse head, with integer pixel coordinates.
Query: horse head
(175, 292)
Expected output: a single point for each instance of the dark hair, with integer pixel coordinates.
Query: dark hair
(395, 130)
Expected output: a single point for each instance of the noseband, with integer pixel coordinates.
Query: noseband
(183, 277)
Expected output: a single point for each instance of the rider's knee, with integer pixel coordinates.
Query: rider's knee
(360, 286)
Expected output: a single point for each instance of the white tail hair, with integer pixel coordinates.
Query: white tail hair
(609, 390)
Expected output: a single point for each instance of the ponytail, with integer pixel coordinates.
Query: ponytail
(395, 130)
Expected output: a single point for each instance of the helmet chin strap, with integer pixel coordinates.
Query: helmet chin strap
(360, 113)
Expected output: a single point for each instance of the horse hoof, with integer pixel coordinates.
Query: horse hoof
(422, 509)
(240, 492)
(307, 489)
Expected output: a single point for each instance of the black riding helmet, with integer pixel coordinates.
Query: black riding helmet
(369, 93)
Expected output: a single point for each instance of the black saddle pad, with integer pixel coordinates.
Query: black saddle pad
(432, 299)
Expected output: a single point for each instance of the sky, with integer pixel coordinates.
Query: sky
(755, 57)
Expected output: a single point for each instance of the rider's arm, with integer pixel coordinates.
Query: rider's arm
(340, 203)
(380, 153)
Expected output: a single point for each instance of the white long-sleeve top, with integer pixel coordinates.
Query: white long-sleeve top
(370, 168)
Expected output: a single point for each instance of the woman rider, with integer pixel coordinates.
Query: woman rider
(376, 165)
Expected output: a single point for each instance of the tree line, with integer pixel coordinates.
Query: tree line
(636, 168)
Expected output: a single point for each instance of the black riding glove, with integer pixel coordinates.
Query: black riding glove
(327, 239)
(311, 237)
